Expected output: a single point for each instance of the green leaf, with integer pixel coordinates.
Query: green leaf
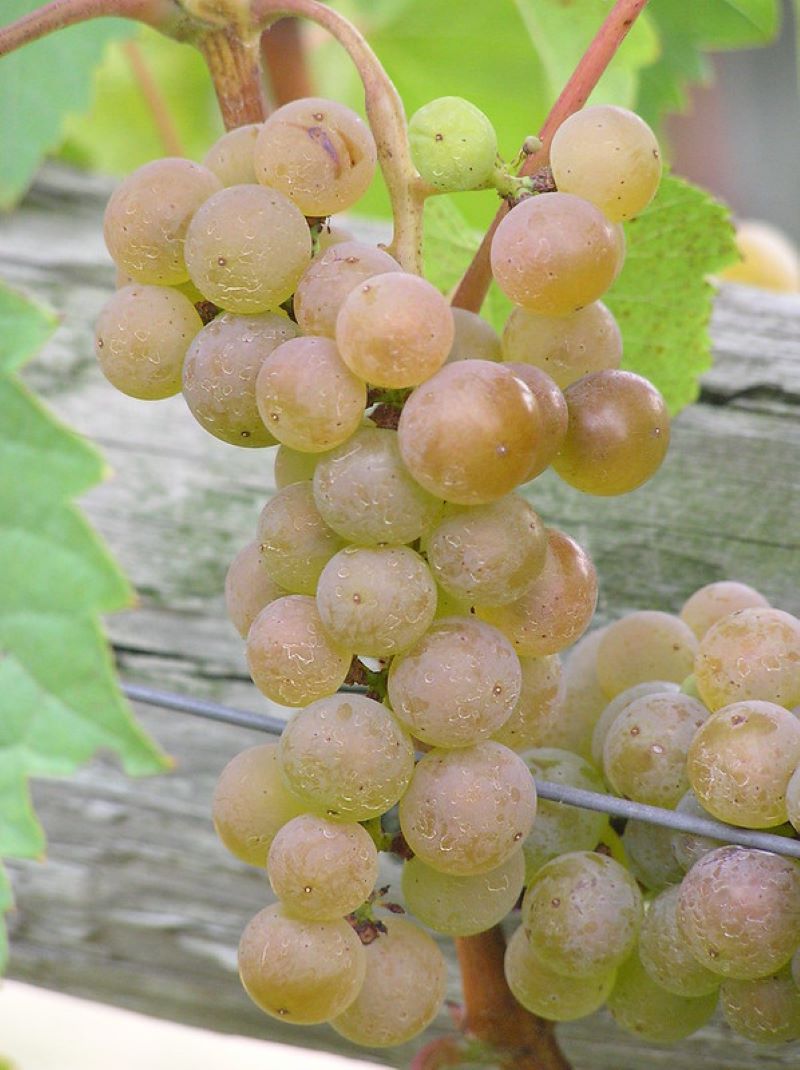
(662, 299)
(6, 903)
(39, 85)
(21, 333)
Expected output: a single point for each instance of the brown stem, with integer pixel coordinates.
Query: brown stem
(473, 287)
(159, 111)
(285, 62)
(234, 64)
(493, 1015)
(165, 15)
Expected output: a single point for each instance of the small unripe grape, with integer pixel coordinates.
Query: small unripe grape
(650, 856)
(688, 847)
(475, 339)
(664, 953)
(717, 600)
(641, 1007)
(644, 646)
(231, 156)
(248, 588)
(292, 466)
(584, 700)
(453, 144)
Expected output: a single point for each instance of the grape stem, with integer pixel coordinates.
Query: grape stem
(234, 63)
(474, 285)
(284, 59)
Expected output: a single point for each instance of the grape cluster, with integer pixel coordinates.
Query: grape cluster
(398, 556)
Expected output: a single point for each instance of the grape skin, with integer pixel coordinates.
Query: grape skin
(566, 347)
(453, 145)
(231, 156)
(651, 859)
(640, 1006)
(537, 718)
(766, 1010)
(293, 466)
(551, 412)
(295, 543)
(584, 700)
(617, 705)
(688, 847)
(664, 954)
(475, 339)
(644, 646)
(248, 588)
(715, 601)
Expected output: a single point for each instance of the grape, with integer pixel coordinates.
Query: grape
(219, 375)
(649, 854)
(751, 654)
(617, 705)
(295, 543)
(394, 330)
(457, 685)
(231, 156)
(537, 718)
(793, 798)
(300, 971)
(376, 602)
(766, 1010)
(644, 646)
(542, 991)
(582, 913)
(739, 911)
(347, 756)
(740, 762)
(329, 234)
(768, 259)
(688, 847)
(141, 339)
(470, 433)
(617, 436)
(320, 869)
(466, 811)
(488, 554)
(318, 153)
(475, 339)
(403, 989)
(566, 347)
(365, 493)
(330, 278)
(584, 700)
(248, 588)
(715, 601)
(291, 657)
(640, 1006)
(559, 829)
(609, 156)
(551, 413)
(462, 906)
(247, 247)
(555, 253)
(664, 954)
(147, 218)
(557, 607)
(453, 145)
(292, 466)
(252, 802)
(307, 397)
(644, 754)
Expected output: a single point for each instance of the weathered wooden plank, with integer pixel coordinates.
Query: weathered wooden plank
(137, 903)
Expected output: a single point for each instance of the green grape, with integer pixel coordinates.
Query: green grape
(739, 911)
(650, 857)
(475, 339)
(246, 248)
(560, 829)
(557, 607)
(645, 646)
(403, 989)
(768, 259)
(740, 762)
(376, 601)
(365, 493)
(330, 278)
(537, 718)
(231, 156)
(453, 145)
(248, 588)
(766, 1010)
(715, 601)
(688, 847)
(664, 954)
(328, 235)
(467, 811)
(378, 330)
(321, 870)
(347, 757)
(295, 543)
(609, 156)
(470, 433)
(300, 971)
(617, 705)
(219, 374)
(566, 347)
(751, 654)
(307, 396)
(141, 339)
(252, 803)
(584, 700)
(582, 913)
(318, 153)
(617, 436)
(457, 685)
(462, 906)
(291, 658)
(546, 993)
(292, 466)
(644, 754)
(640, 1006)
(555, 253)
(551, 411)
(147, 218)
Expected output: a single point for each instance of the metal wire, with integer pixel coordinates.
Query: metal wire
(560, 793)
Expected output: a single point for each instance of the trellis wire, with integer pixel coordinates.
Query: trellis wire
(560, 793)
